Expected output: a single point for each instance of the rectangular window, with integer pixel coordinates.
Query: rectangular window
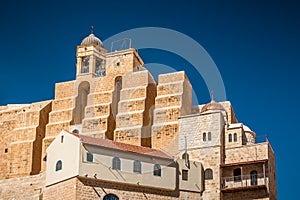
(185, 175)
(89, 157)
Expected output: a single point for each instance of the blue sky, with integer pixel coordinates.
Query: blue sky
(254, 44)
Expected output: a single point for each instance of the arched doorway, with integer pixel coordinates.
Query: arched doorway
(110, 197)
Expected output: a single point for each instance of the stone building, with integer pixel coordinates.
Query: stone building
(114, 133)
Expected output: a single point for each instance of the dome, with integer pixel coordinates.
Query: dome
(91, 39)
(212, 106)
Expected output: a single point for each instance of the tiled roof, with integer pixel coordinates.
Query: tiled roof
(122, 146)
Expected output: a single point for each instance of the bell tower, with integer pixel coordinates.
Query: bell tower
(90, 55)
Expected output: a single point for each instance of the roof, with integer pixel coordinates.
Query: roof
(212, 106)
(122, 146)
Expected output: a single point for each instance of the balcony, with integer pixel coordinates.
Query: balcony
(244, 182)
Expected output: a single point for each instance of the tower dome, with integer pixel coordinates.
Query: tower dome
(212, 106)
(91, 39)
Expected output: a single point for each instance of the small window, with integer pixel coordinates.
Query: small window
(118, 64)
(6, 150)
(234, 137)
(185, 175)
(208, 174)
(62, 139)
(204, 136)
(237, 175)
(89, 157)
(137, 167)
(85, 65)
(157, 170)
(253, 177)
(209, 136)
(116, 163)
(58, 165)
(230, 137)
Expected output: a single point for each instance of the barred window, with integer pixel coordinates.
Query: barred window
(116, 163)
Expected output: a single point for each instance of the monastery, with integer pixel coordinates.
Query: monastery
(114, 133)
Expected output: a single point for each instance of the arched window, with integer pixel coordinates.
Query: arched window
(208, 174)
(237, 175)
(209, 136)
(230, 137)
(58, 165)
(137, 167)
(234, 137)
(116, 163)
(253, 177)
(110, 197)
(204, 136)
(157, 170)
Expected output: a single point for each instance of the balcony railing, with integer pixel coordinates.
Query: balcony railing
(244, 181)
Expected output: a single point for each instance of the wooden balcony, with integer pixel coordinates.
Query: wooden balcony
(244, 182)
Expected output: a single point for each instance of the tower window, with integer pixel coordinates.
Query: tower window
(89, 157)
(85, 65)
(234, 137)
(208, 174)
(237, 175)
(230, 137)
(116, 163)
(100, 70)
(58, 166)
(137, 167)
(185, 175)
(204, 136)
(157, 170)
(6, 150)
(118, 64)
(209, 136)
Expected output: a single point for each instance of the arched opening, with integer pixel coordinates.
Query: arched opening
(237, 175)
(157, 170)
(234, 137)
(230, 137)
(81, 102)
(204, 137)
(208, 174)
(110, 197)
(58, 166)
(209, 136)
(253, 177)
(116, 163)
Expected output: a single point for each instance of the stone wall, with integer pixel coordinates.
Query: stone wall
(23, 188)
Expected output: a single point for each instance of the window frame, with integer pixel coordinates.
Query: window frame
(157, 170)
(204, 136)
(229, 137)
(137, 166)
(58, 166)
(185, 175)
(208, 174)
(235, 137)
(87, 156)
(237, 175)
(116, 163)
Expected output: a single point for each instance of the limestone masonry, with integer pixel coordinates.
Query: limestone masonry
(114, 133)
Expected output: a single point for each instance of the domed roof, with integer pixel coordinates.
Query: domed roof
(212, 106)
(91, 39)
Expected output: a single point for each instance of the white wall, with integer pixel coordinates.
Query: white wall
(68, 152)
(102, 166)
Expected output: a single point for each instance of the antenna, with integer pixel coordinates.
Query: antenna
(92, 29)
(212, 94)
